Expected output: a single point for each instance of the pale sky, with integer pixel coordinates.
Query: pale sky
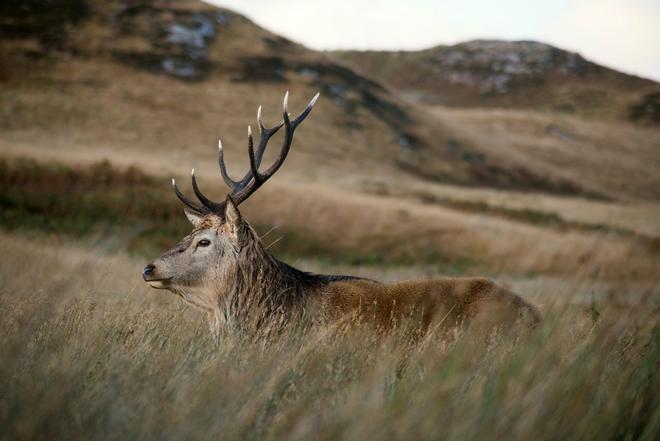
(623, 34)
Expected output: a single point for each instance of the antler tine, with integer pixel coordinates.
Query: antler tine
(254, 179)
(254, 167)
(212, 206)
(285, 104)
(190, 204)
(288, 135)
(260, 120)
(265, 134)
(223, 168)
(300, 118)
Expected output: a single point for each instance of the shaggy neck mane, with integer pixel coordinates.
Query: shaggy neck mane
(259, 286)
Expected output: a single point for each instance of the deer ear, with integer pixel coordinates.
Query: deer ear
(194, 218)
(232, 215)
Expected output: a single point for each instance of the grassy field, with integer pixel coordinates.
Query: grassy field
(89, 352)
(561, 208)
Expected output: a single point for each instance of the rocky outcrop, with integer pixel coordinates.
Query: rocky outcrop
(492, 66)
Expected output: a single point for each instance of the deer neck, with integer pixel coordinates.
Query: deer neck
(260, 285)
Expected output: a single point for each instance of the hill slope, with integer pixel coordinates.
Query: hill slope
(183, 72)
(155, 82)
(524, 74)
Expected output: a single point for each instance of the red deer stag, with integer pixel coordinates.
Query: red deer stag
(223, 268)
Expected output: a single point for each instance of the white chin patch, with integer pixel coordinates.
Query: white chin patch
(158, 284)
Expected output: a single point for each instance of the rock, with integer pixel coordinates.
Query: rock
(190, 38)
(491, 66)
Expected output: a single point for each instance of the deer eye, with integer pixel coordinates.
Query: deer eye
(204, 243)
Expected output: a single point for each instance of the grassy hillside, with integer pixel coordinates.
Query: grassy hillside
(139, 213)
(178, 74)
(161, 81)
(517, 74)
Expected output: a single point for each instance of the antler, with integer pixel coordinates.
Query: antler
(253, 179)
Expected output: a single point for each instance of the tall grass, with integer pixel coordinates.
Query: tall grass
(89, 353)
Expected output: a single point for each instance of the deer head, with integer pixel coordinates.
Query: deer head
(207, 261)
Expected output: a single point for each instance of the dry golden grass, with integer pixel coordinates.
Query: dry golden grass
(317, 220)
(405, 225)
(89, 352)
(634, 217)
(134, 117)
(606, 157)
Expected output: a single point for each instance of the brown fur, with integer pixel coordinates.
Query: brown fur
(428, 303)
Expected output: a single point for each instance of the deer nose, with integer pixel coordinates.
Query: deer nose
(148, 270)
